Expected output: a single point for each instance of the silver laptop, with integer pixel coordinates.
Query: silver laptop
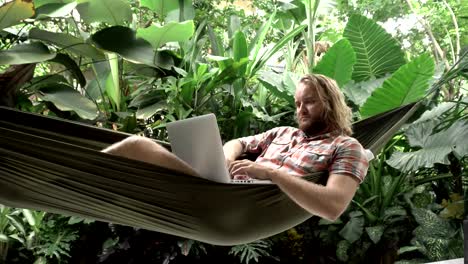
(197, 141)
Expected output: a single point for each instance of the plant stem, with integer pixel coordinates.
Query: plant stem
(457, 30)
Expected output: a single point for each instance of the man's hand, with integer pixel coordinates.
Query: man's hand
(243, 168)
(228, 163)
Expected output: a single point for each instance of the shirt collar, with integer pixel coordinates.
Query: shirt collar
(331, 134)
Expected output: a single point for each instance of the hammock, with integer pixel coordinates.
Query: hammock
(56, 166)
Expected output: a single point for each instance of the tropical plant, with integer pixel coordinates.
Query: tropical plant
(44, 237)
(251, 251)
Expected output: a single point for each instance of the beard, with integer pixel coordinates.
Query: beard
(312, 127)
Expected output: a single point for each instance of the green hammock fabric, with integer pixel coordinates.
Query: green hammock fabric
(55, 165)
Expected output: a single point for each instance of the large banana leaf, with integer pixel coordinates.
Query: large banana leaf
(338, 62)
(123, 41)
(65, 98)
(113, 12)
(170, 32)
(67, 42)
(26, 53)
(377, 53)
(434, 147)
(13, 12)
(407, 85)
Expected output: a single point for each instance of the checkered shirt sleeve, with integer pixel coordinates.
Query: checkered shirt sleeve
(350, 159)
(257, 143)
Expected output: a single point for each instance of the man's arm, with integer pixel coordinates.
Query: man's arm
(328, 201)
(232, 150)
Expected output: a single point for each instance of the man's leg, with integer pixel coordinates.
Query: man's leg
(144, 149)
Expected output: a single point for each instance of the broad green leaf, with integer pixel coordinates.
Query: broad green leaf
(3, 238)
(13, 12)
(65, 98)
(96, 88)
(430, 224)
(123, 41)
(113, 12)
(342, 250)
(291, 11)
(113, 83)
(273, 82)
(375, 233)
(149, 111)
(337, 63)
(17, 222)
(26, 53)
(67, 42)
(377, 53)
(239, 47)
(394, 211)
(170, 32)
(42, 81)
(72, 67)
(185, 11)
(435, 147)
(217, 48)
(17, 238)
(408, 249)
(160, 7)
(436, 112)
(39, 3)
(29, 217)
(408, 84)
(234, 26)
(359, 92)
(55, 10)
(353, 230)
(435, 247)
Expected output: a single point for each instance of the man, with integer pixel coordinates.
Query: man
(322, 142)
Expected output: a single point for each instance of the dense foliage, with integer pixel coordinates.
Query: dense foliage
(134, 65)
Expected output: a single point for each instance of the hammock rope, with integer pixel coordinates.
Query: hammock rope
(56, 166)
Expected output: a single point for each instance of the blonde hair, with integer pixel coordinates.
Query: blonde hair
(337, 115)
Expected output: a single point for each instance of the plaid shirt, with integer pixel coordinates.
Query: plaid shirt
(291, 150)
